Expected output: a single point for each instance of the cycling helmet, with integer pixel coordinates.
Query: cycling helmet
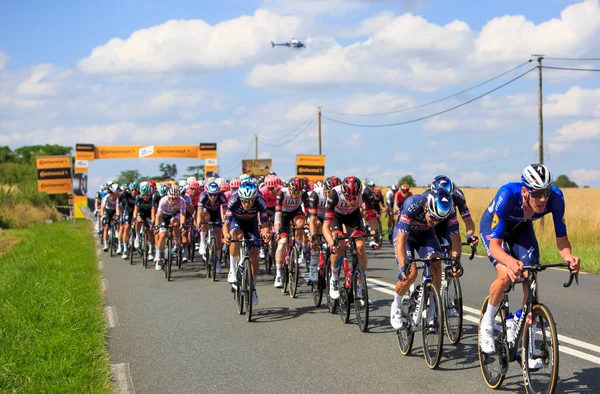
(163, 190)
(284, 183)
(332, 182)
(182, 183)
(225, 185)
(134, 185)
(439, 203)
(247, 191)
(201, 182)
(102, 186)
(125, 186)
(174, 191)
(210, 179)
(109, 183)
(295, 185)
(193, 185)
(272, 173)
(183, 191)
(145, 189)
(243, 177)
(371, 185)
(219, 181)
(271, 181)
(191, 178)
(351, 186)
(212, 188)
(444, 182)
(536, 176)
(378, 192)
(405, 188)
(235, 183)
(394, 188)
(114, 188)
(152, 183)
(318, 187)
(261, 179)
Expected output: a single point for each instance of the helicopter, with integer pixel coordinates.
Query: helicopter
(294, 43)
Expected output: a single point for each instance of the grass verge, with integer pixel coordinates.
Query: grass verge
(52, 329)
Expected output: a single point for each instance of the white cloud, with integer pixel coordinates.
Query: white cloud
(473, 178)
(43, 80)
(3, 59)
(507, 177)
(191, 45)
(577, 101)
(312, 7)
(439, 167)
(585, 176)
(583, 130)
(402, 157)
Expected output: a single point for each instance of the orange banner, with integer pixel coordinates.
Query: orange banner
(149, 152)
(55, 186)
(311, 166)
(52, 162)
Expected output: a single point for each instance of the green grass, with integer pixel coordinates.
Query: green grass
(52, 329)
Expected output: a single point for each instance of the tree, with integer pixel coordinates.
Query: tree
(6, 155)
(196, 171)
(563, 181)
(169, 171)
(128, 176)
(27, 154)
(408, 179)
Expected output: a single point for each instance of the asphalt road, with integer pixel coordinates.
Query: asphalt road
(185, 336)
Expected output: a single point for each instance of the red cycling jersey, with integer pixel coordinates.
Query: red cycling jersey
(270, 198)
(400, 197)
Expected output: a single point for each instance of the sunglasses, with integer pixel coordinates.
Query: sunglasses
(248, 201)
(540, 193)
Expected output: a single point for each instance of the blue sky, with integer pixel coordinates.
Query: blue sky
(183, 72)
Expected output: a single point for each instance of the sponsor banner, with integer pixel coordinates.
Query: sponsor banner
(81, 164)
(55, 186)
(256, 168)
(311, 166)
(310, 160)
(210, 162)
(81, 202)
(139, 151)
(54, 173)
(50, 162)
(84, 152)
(210, 169)
(207, 151)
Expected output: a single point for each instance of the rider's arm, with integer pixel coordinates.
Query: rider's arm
(332, 200)
(370, 213)
(278, 214)
(401, 239)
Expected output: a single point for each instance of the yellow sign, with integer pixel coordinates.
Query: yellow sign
(256, 168)
(143, 152)
(84, 152)
(311, 166)
(55, 186)
(207, 151)
(495, 221)
(44, 162)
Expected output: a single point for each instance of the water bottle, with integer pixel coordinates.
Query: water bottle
(514, 322)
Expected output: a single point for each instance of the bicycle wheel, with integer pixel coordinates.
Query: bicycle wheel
(331, 303)
(317, 286)
(453, 308)
(169, 260)
(494, 366)
(240, 288)
(131, 248)
(294, 271)
(178, 254)
(111, 241)
(285, 278)
(405, 334)
(344, 300)
(545, 346)
(361, 298)
(432, 327)
(144, 249)
(213, 260)
(249, 288)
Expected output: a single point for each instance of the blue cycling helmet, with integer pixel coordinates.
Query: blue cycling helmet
(444, 182)
(439, 203)
(248, 190)
(212, 188)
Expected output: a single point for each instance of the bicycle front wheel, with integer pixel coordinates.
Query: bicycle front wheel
(240, 286)
(294, 271)
(169, 261)
(405, 334)
(213, 260)
(331, 303)
(144, 249)
(344, 300)
(317, 286)
(249, 289)
(432, 326)
(494, 366)
(361, 298)
(453, 308)
(540, 342)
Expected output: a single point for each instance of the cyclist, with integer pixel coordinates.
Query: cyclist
(389, 209)
(401, 196)
(287, 211)
(460, 202)
(241, 221)
(414, 231)
(126, 207)
(506, 230)
(143, 213)
(211, 203)
(108, 209)
(97, 203)
(343, 209)
(316, 207)
(269, 191)
(170, 209)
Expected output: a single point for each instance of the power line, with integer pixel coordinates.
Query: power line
(294, 137)
(573, 58)
(238, 158)
(436, 101)
(296, 129)
(437, 113)
(571, 69)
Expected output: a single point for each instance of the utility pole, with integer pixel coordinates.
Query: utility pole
(255, 147)
(320, 152)
(540, 113)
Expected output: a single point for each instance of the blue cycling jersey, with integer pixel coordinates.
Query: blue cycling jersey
(505, 212)
(205, 203)
(412, 218)
(237, 211)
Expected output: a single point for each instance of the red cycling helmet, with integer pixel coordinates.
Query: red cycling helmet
(271, 181)
(378, 192)
(235, 183)
(405, 188)
(152, 184)
(332, 182)
(351, 186)
(193, 185)
(295, 184)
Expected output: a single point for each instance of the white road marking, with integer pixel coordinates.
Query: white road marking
(104, 284)
(387, 288)
(112, 320)
(121, 377)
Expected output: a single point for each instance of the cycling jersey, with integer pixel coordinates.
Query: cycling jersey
(270, 198)
(108, 203)
(195, 198)
(400, 197)
(166, 207)
(155, 200)
(376, 201)
(144, 206)
(343, 213)
(505, 213)
(205, 204)
(285, 202)
(412, 218)
(127, 202)
(316, 203)
(389, 198)
(235, 210)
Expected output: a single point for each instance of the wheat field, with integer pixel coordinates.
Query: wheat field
(582, 219)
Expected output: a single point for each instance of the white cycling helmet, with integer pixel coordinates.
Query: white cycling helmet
(243, 177)
(247, 191)
(536, 176)
(114, 188)
(191, 178)
(182, 183)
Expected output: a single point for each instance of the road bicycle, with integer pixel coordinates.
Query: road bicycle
(318, 286)
(290, 270)
(244, 287)
(210, 263)
(423, 309)
(535, 337)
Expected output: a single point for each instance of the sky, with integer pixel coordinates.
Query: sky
(149, 72)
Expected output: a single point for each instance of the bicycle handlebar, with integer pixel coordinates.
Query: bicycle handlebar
(408, 262)
(473, 249)
(542, 267)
